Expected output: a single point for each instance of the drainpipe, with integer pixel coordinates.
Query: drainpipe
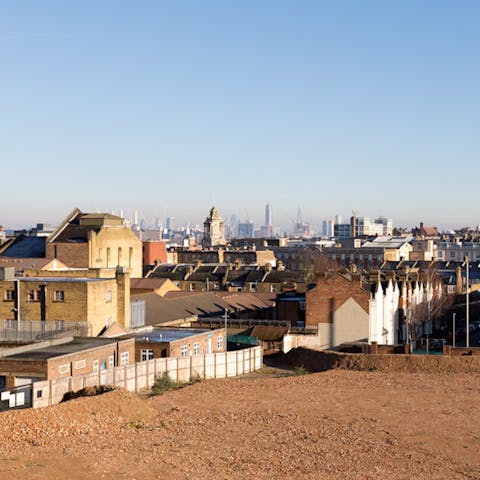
(17, 301)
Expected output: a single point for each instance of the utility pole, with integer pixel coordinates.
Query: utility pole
(226, 318)
(428, 320)
(468, 304)
(453, 330)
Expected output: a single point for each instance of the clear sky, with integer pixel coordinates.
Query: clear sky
(168, 106)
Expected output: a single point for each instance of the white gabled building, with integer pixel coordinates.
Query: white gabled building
(391, 302)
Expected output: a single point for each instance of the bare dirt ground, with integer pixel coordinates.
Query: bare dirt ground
(333, 425)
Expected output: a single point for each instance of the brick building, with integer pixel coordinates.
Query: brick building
(178, 342)
(339, 307)
(63, 358)
(154, 252)
(95, 297)
(96, 240)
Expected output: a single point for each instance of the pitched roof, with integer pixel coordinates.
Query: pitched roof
(73, 233)
(180, 306)
(20, 264)
(25, 247)
(147, 283)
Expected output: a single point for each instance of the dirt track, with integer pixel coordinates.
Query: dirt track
(337, 424)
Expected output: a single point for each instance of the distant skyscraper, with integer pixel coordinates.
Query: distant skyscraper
(338, 219)
(267, 229)
(170, 223)
(268, 215)
(325, 229)
(245, 230)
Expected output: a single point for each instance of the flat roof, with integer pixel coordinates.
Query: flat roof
(159, 335)
(78, 344)
(62, 279)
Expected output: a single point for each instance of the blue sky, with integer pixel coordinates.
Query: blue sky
(165, 106)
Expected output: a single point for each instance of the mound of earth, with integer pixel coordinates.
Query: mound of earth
(331, 425)
(88, 392)
(321, 360)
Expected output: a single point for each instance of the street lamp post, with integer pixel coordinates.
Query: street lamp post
(467, 333)
(226, 317)
(453, 336)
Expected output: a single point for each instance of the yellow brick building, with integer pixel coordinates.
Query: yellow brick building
(96, 297)
(96, 240)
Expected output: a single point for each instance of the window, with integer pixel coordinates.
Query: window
(39, 393)
(196, 348)
(34, 295)
(219, 342)
(103, 364)
(183, 351)
(59, 324)
(146, 354)
(111, 361)
(95, 365)
(108, 295)
(9, 295)
(80, 364)
(62, 369)
(124, 359)
(58, 296)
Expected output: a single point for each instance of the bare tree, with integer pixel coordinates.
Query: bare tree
(427, 313)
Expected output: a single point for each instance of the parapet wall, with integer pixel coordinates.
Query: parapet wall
(319, 361)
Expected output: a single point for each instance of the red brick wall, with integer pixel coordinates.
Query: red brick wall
(173, 349)
(154, 251)
(330, 294)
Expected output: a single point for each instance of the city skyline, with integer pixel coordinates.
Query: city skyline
(286, 224)
(325, 106)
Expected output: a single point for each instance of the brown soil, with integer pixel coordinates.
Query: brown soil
(321, 360)
(334, 425)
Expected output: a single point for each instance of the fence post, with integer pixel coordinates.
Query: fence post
(136, 378)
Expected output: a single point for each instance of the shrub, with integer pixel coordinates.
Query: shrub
(164, 383)
(301, 370)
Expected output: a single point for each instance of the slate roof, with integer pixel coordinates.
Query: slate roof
(181, 305)
(20, 264)
(282, 276)
(25, 247)
(146, 283)
(73, 233)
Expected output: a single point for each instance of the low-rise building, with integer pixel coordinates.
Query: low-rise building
(177, 342)
(63, 358)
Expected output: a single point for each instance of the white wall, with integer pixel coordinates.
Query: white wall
(141, 376)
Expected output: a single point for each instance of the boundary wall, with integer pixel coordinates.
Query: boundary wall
(136, 377)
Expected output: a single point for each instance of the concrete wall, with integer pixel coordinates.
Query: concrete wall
(293, 341)
(141, 376)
